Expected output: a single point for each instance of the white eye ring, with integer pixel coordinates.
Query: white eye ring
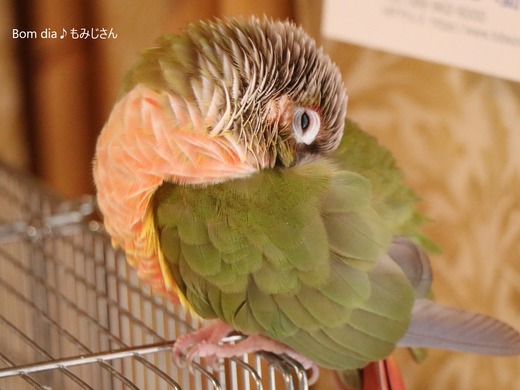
(306, 125)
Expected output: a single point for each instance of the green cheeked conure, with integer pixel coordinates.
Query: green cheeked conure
(228, 173)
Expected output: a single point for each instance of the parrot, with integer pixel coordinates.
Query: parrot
(230, 175)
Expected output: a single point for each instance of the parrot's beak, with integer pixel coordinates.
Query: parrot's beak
(285, 152)
(278, 113)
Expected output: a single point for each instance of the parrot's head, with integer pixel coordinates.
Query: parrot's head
(265, 85)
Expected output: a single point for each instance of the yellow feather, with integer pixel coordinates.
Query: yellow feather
(153, 247)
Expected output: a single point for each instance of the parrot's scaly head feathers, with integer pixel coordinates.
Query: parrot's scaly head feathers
(263, 84)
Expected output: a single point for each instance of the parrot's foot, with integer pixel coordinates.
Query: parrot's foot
(207, 342)
(185, 346)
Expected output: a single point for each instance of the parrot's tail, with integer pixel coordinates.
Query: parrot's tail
(437, 326)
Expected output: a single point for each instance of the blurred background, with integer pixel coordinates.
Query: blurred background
(456, 135)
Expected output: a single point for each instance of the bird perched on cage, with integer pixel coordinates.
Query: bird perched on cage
(228, 173)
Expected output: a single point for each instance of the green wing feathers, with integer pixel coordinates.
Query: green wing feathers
(393, 200)
(296, 254)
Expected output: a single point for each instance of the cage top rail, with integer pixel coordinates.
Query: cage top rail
(85, 359)
(281, 364)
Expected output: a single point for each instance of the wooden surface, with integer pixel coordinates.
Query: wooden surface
(13, 146)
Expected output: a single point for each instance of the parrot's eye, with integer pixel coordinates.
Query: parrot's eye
(306, 124)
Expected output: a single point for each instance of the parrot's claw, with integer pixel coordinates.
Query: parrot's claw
(207, 342)
(206, 350)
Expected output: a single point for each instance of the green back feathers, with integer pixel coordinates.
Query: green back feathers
(297, 254)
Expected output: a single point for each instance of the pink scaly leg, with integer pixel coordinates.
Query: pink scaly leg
(207, 343)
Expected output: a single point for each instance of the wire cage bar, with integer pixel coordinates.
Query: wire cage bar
(73, 314)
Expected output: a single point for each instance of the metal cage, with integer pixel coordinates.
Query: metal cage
(74, 315)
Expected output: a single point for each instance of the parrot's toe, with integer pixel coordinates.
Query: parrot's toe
(204, 350)
(208, 342)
